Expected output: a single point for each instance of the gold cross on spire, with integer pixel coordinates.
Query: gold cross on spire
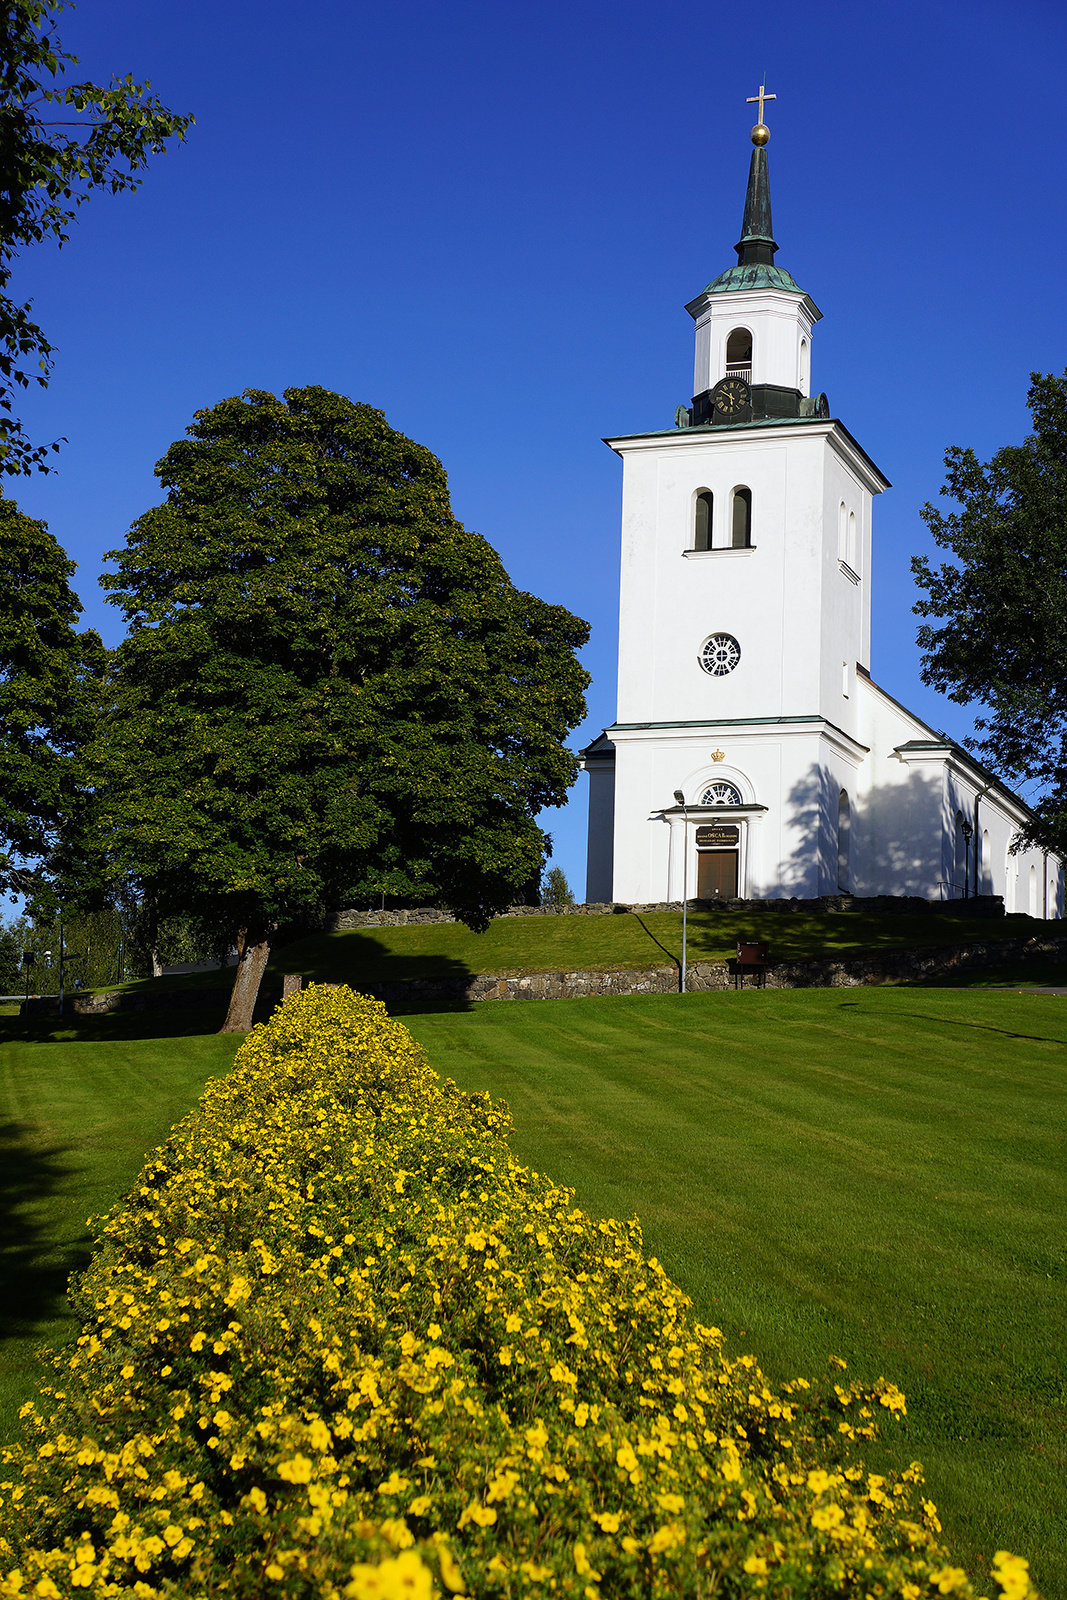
(763, 95)
(760, 133)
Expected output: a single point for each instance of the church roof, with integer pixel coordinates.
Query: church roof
(753, 275)
(756, 248)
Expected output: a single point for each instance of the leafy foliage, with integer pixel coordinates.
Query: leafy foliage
(47, 173)
(47, 677)
(338, 1342)
(1003, 603)
(557, 891)
(330, 689)
(15, 937)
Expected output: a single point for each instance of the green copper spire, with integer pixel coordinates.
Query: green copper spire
(756, 247)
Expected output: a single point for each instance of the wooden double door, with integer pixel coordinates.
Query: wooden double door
(716, 874)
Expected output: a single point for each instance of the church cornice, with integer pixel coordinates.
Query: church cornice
(833, 430)
(800, 725)
(751, 282)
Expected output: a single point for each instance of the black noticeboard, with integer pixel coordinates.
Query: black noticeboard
(718, 833)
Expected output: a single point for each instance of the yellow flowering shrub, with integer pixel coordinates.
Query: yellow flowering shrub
(337, 1342)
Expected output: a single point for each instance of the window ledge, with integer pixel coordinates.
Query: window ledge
(723, 550)
(853, 577)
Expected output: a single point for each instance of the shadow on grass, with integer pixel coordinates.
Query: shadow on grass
(360, 959)
(672, 958)
(408, 985)
(33, 1269)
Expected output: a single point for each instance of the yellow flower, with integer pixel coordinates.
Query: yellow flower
(1012, 1573)
(484, 1516)
(451, 1574)
(297, 1470)
(394, 1484)
(948, 1578)
(403, 1577)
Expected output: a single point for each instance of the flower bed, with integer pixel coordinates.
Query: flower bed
(337, 1342)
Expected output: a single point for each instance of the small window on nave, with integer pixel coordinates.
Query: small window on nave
(703, 525)
(741, 525)
(721, 794)
(739, 355)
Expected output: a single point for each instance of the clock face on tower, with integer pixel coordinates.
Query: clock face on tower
(731, 396)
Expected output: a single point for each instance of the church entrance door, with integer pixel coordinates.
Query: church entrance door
(716, 874)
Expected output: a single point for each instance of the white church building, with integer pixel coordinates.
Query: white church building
(753, 755)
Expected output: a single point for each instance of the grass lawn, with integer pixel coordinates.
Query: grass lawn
(874, 1173)
(629, 939)
(79, 1110)
(880, 1174)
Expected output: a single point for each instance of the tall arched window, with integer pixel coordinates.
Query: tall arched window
(844, 843)
(1035, 908)
(702, 523)
(987, 864)
(852, 558)
(741, 520)
(805, 367)
(739, 355)
(842, 532)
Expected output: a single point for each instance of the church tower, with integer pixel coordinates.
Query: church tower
(752, 754)
(744, 611)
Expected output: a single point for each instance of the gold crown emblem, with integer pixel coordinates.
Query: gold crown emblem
(718, 755)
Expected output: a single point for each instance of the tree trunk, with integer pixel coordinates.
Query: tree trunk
(152, 932)
(250, 968)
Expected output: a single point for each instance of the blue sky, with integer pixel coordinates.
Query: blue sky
(486, 220)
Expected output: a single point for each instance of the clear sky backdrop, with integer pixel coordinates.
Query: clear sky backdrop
(486, 219)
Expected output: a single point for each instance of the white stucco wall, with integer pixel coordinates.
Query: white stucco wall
(779, 323)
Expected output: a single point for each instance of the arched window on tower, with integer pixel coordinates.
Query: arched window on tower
(852, 558)
(702, 524)
(739, 355)
(741, 519)
(805, 367)
(842, 532)
(844, 843)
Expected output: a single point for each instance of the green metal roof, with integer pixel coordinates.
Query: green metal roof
(754, 275)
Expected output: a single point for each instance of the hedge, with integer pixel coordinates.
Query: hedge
(337, 1342)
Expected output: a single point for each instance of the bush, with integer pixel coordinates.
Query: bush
(337, 1342)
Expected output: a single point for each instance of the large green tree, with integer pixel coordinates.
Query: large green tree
(59, 143)
(330, 689)
(1001, 603)
(48, 674)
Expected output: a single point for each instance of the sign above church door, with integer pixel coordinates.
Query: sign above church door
(717, 834)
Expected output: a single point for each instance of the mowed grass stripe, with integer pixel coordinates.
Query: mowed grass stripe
(77, 1118)
(880, 1176)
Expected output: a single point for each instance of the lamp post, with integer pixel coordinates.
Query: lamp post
(966, 829)
(680, 798)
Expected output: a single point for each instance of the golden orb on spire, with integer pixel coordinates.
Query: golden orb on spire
(760, 133)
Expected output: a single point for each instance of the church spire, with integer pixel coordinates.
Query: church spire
(756, 245)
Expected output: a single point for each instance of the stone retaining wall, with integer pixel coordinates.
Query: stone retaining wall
(890, 966)
(984, 905)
